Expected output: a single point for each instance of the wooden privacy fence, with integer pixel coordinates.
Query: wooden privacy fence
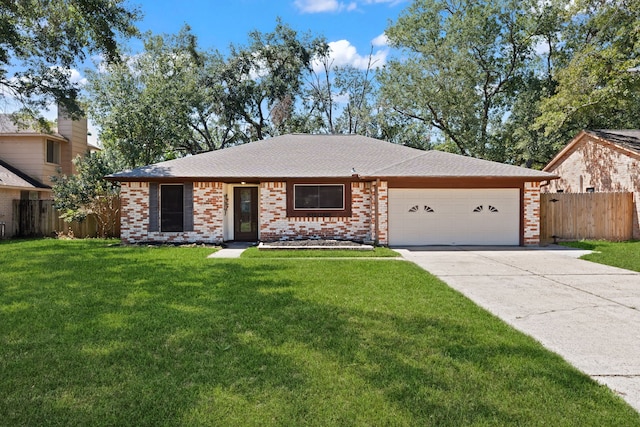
(576, 216)
(41, 218)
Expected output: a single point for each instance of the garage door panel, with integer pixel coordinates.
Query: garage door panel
(456, 216)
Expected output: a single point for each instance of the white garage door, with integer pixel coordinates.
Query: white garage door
(454, 216)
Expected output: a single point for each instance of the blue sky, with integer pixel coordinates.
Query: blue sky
(351, 26)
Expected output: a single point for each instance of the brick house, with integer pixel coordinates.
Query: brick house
(600, 161)
(28, 159)
(345, 187)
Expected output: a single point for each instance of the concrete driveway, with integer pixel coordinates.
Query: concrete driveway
(586, 312)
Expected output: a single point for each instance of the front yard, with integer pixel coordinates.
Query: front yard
(92, 333)
(617, 254)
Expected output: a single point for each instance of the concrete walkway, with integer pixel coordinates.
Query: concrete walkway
(232, 250)
(586, 312)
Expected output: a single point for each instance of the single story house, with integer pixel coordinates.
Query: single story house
(346, 187)
(600, 161)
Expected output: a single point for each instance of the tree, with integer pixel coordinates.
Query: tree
(319, 98)
(175, 99)
(263, 80)
(522, 143)
(357, 88)
(40, 41)
(344, 99)
(87, 192)
(161, 103)
(460, 66)
(127, 114)
(598, 85)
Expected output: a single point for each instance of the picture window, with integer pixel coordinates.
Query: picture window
(319, 197)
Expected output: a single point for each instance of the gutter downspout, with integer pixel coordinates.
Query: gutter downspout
(377, 215)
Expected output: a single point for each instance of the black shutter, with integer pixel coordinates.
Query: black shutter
(188, 206)
(153, 206)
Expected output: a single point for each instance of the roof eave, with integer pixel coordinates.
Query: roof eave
(24, 187)
(223, 178)
(556, 159)
(32, 134)
(482, 177)
(571, 146)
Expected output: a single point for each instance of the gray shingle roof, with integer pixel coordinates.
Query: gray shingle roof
(7, 126)
(628, 138)
(12, 177)
(332, 156)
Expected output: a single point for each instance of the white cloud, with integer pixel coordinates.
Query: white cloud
(342, 52)
(323, 6)
(76, 77)
(540, 46)
(392, 2)
(381, 40)
(73, 75)
(317, 6)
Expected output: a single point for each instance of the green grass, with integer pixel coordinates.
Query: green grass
(377, 252)
(617, 254)
(93, 334)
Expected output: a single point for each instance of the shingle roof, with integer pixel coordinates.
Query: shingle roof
(8, 126)
(12, 177)
(628, 138)
(337, 156)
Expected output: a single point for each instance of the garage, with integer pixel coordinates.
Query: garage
(453, 216)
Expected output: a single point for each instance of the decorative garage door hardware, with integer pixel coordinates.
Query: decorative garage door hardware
(491, 209)
(416, 208)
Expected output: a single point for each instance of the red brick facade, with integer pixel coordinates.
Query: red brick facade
(275, 225)
(208, 215)
(213, 216)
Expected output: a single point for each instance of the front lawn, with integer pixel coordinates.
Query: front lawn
(97, 334)
(617, 254)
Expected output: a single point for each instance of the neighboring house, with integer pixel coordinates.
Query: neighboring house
(345, 187)
(28, 159)
(600, 161)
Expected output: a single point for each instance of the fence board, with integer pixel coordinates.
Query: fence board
(41, 218)
(576, 216)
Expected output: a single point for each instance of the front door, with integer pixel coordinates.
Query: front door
(245, 208)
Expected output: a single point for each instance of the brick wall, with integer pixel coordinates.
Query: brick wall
(531, 213)
(275, 225)
(134, 212)
(207, 215)
(603, 166)
(383, 214)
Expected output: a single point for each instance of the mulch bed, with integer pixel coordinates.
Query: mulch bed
(314, 244)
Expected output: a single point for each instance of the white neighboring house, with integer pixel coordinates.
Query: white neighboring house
(28, 159)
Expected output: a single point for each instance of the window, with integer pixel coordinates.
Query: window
(591, 190)
(53, 152)
(310, 199)
(171, 208)
(319, 197)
